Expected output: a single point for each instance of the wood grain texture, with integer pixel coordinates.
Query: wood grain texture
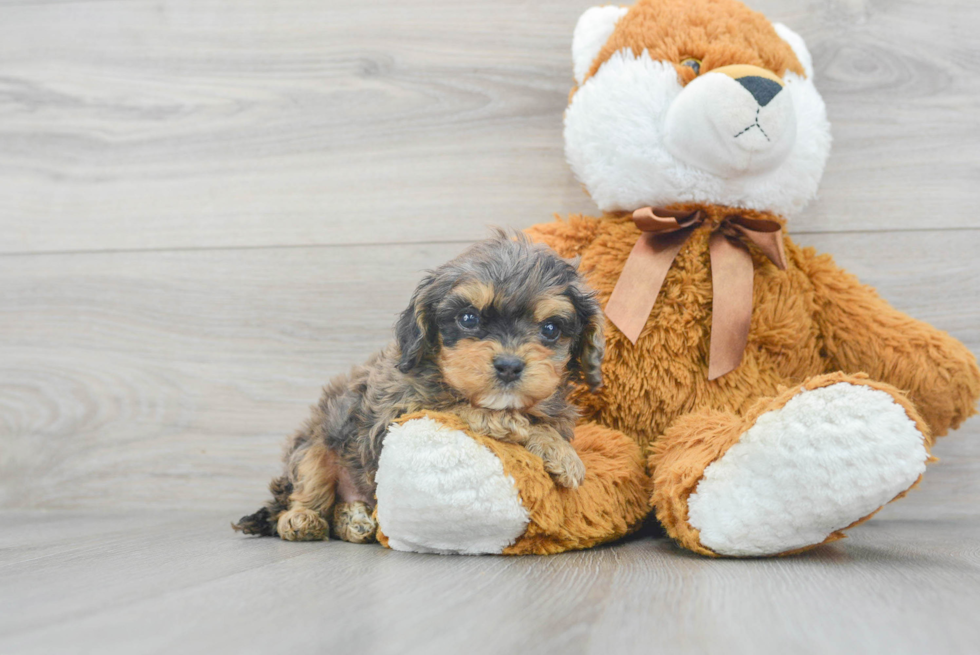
(152, 124)
(183, 188)
(124, 583)
(170, 379)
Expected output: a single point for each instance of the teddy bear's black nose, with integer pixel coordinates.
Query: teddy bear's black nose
(509, 368)
(761, 88)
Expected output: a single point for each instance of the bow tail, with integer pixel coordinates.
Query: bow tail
(731, 312)
(639, 284)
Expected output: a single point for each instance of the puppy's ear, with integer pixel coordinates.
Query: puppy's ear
(416, 331)
(589, 349)
(412, 332)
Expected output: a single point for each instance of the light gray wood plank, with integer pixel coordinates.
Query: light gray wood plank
(129, 374)
(149, 392)
(169, 379)
(180, 124)
(190, 585)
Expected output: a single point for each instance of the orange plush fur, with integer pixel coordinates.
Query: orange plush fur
(812, 325)
(697, 439)
(715, 32)
(811, 319)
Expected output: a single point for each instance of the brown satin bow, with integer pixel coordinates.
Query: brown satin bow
(664, 233)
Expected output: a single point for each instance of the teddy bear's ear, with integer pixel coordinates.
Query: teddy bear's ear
(796, 42)
(593, 29)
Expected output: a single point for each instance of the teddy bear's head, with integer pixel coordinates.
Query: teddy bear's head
(694, 101)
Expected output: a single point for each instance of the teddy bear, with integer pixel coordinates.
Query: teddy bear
(776, 400)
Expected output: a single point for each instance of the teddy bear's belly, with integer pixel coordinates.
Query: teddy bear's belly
(665, 374)
(644, 392)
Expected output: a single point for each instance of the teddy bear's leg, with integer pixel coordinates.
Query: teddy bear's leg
(442, 489)
(793, 473)
(439, 491)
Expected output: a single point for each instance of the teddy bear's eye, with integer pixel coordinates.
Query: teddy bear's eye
(693, 64)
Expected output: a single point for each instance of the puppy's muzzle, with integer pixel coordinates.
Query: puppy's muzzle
(508, 367)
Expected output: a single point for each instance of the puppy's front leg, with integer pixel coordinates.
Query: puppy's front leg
(560, 459)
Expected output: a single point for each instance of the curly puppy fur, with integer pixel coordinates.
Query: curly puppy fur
(497, 336)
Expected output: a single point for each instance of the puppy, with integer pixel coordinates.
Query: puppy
(496, 336)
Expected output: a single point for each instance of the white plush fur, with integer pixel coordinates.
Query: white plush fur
(824, 460)
(439, 491)
(716, 125)
(616, 139)
(593, 29)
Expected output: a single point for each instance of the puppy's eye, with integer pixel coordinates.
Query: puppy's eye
(693, 64)
(468, 321)
(550, 331)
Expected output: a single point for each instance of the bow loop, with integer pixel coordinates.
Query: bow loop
(664, 233)
(766, 234)
(658, 220)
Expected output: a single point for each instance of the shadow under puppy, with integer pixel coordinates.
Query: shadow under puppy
(496, 336)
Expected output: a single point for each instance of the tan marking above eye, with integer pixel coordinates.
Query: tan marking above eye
(550, 306)
(478, 294)
(738, 71)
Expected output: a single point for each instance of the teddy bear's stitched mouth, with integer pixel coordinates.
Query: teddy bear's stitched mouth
(755, 124)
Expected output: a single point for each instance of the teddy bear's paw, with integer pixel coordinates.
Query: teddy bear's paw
(302, 524)
(822, 462)
(439, 490)
(561, 461)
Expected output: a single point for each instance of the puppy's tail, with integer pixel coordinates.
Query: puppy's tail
(263, 522)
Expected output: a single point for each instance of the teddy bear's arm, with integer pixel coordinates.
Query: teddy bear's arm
(863, 333)
(567, 237)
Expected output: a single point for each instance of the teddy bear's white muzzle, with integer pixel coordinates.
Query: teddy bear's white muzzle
(731, 127)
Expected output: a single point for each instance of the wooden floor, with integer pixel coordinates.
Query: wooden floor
(143, 582)
(207, 208)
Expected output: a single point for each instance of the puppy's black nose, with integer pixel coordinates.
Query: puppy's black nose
(761, 88)
(509, 368)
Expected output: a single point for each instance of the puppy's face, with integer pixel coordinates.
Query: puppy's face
(506, 324)
(505, 352)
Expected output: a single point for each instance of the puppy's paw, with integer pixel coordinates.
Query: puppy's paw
(561, 461)
(572, 470)
(353, 522)
(302, 525)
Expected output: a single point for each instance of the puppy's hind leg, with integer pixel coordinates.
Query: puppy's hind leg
(353, 522)
(313, 496)
(352, 515)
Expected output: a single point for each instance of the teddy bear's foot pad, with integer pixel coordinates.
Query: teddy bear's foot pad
(439, 491)
(828, 458)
